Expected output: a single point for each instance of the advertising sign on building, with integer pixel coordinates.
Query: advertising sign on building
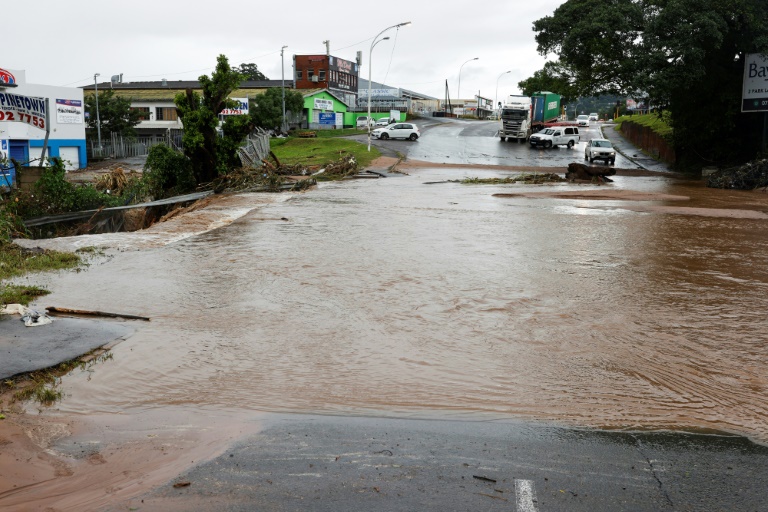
(69, 111)
(321, 104)
(342, 74)
(326, 118)
(7, 78)
(22, 109)
(241, 110)
(754, 97)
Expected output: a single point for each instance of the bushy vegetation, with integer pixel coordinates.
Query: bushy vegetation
(660, 123)
(168, 173)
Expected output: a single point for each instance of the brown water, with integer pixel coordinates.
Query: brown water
(399, 298)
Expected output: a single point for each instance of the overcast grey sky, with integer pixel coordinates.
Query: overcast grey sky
(67, 41)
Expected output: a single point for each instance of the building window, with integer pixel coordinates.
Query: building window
(322, 75)
(144, 112)
(298, 74)
(310, 73)
(166, 114)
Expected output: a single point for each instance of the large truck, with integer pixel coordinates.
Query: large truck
(516, 118)
(523, 115)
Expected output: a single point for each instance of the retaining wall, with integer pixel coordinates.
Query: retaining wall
(646, 139)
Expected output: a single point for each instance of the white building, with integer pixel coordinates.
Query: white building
(30, 112)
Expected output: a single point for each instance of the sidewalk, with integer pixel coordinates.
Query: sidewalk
(632, 152)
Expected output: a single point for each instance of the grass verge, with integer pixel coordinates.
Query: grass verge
(43, 386)
(660, 125)
(321, 151)
(16, 261)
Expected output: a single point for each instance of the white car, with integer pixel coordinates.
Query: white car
(382, 122)
(583, 120)
(397, 131)
(363, 122)
(600, 149)
(556, 136)
(593, 116)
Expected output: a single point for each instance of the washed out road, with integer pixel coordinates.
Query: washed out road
(380, 343)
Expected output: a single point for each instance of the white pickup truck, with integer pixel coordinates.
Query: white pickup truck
(555, 136)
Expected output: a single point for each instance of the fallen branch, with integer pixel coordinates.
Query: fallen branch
(67, 311)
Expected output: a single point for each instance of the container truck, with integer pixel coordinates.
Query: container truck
(523, 115)
(516, 119)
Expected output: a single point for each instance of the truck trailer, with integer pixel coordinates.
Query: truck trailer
(522, 115)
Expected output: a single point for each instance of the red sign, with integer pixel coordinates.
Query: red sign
(6, 77)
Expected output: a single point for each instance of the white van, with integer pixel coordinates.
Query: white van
(364, 122)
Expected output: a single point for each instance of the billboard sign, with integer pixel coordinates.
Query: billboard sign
(23, 109)
(342, 74)
(321, 104)
(240, 110)
(69, 111)
(327, 118)
(754, 97)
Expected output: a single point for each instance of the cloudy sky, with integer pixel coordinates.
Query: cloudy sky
(67, 41)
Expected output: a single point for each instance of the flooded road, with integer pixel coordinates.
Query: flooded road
(400, 298)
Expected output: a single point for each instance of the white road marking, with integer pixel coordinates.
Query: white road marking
(525, 496)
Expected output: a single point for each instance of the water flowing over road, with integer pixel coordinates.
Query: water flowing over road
(402, 298)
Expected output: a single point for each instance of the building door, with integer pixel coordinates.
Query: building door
(71, 157)
(19, 151)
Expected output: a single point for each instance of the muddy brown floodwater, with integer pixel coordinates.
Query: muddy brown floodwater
(634, 305)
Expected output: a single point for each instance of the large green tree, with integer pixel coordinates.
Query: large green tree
(686, 56)
(554, 78)
(268, 109)
(115, 114)
(209, 154)
(250, 71)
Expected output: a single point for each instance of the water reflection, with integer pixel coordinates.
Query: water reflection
(399, 297)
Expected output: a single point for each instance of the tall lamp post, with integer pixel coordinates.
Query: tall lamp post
(282, 70)
(98, 120)
(370, 56)
(458, 89)
(496, 98)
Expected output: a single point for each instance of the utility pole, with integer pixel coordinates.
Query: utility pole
(98, 120)
(282, 66)
(327, 44)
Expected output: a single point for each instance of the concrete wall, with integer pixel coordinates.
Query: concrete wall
(646, 139)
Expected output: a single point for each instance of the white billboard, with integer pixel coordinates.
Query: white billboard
(754, 97)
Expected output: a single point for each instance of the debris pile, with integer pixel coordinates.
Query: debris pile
(749, 176)
(113, 183)
(532, 178)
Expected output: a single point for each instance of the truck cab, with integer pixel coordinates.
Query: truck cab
(555, 136)
(516, 119)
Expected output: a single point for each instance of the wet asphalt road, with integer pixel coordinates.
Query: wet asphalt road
(329, 463)
(457, 141)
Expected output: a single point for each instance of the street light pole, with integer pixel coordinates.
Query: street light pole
(370, 55)
(458, 89)
(496, 98)
(98, 119)
(282, 69)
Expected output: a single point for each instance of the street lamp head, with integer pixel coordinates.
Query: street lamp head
(405, 24)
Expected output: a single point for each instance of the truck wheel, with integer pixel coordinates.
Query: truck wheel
(612, 160)
(521, 141)
(548, 144)
(570, 144)
(503, 139)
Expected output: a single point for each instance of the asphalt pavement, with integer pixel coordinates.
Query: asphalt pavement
(632, 152)
(317, 463)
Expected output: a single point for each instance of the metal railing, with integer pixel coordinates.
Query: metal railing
(119, 146)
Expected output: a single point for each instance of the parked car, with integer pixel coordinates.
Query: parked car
(397, 131)
(363, 122)
(600, 149)
(583, 120)
(384, 121)
(557, 136)
(593, 116)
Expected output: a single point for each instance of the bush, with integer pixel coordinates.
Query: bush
(168, 173)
